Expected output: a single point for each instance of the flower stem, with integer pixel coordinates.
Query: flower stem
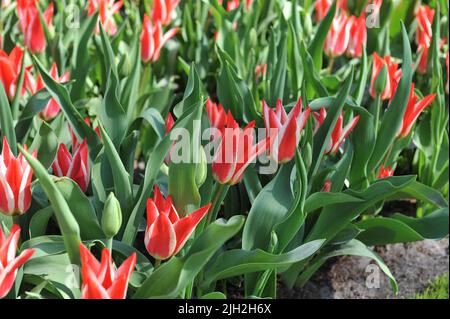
(109, 244)
(220, 191)
(157, 263)
(377, 111)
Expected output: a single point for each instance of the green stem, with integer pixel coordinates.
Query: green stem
(157, 263)
(109, 244)
(262, 282)
(330, 65)
(376, 112)
(220, 191)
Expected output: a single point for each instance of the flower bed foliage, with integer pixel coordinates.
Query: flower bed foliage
(98, 99)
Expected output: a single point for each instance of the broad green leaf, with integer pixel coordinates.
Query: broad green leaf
(46, 144)
(6, 120)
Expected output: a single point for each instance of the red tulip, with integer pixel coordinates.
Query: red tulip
(235, 152)
(424, 33)
(234, 4)
(260, 70)
(166, 232)
(102, 280)
(163, 10)
(75, 167)
(339, 133)
(413, 110)
(9, 70)
(284, 130)
(338, 36)
(358, 36)
(15, 179)
(322, 7)
(52, 108)
(217, 115)
(385, 172)
(326, 186)
(107, 10)
(9, 263)
(30, 24)
(392, 78)
(153, 39)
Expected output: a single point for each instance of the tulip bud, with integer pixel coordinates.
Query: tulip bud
(307, 155)
(201, 169)
(380, 82)
(112, 216)
(125, 66)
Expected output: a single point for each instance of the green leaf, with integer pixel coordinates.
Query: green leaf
(238, 261)
(193, 93)
(39, 222)
(317, 44)
(171, 278)
(82, 209)
(46, 144)
(6, 120)
(66, 221)
(61, 95)
(392, 118)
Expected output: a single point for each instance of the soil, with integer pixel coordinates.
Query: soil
(413, 265)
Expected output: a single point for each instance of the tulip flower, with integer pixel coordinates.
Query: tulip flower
(15, 179)
(107, 10)
(392, 77)
(52, 108)
(153, 39)
(358, 36)
(322, 7)
(424, 33)
(413, 110)
(166, 232)
(74, 166)
(235, 152)
(260, 70)
(338, 36)
(217, 115)
(9, 263)
(284, 130)
(9, 70)
(30, 24)
(385, 172)
(327, 186)
(339, 133)
(234, 4)
(163, 10)
(101, 280)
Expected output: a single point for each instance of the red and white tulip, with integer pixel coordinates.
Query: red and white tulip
(9, 263)
(101, 280)
(107, 9)
(153, 39)
(166, 232)
(392, 77)
(163, 10)
(15, 179)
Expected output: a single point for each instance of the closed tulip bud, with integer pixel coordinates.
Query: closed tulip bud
(112, 216)
(201, 169)
(307, 155)
(380, 82)
(125, 66)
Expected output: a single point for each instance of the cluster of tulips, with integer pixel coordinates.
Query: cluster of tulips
(90, 126)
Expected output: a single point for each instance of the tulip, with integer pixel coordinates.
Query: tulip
(107, 10)
(9, 263)
(358, 36)
(338, 36)
(15, 179)
(111, 217)
(235, 152)
(10, 66)
(30, 24)
(51, 110)
(166, 232)
(74, 166)
(393, 76)
(260, 70)
(327, 186)
(339, 133)
(102, 280)
(217, 115)
(424, 33)
(322, 7)
(234, 4)
(284, 130)
(153, 39)
(385, 172)
(163, 10)
(413, 110)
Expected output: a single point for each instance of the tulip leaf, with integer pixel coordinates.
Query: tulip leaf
(317, 44)
(238, 261)
(46, 144)
(61, 95)
(193, 93)
(82, 209)
(66, 220)
(171, 278)
(6, 120)
(39, 222)
(393, 117)
(403, 229)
